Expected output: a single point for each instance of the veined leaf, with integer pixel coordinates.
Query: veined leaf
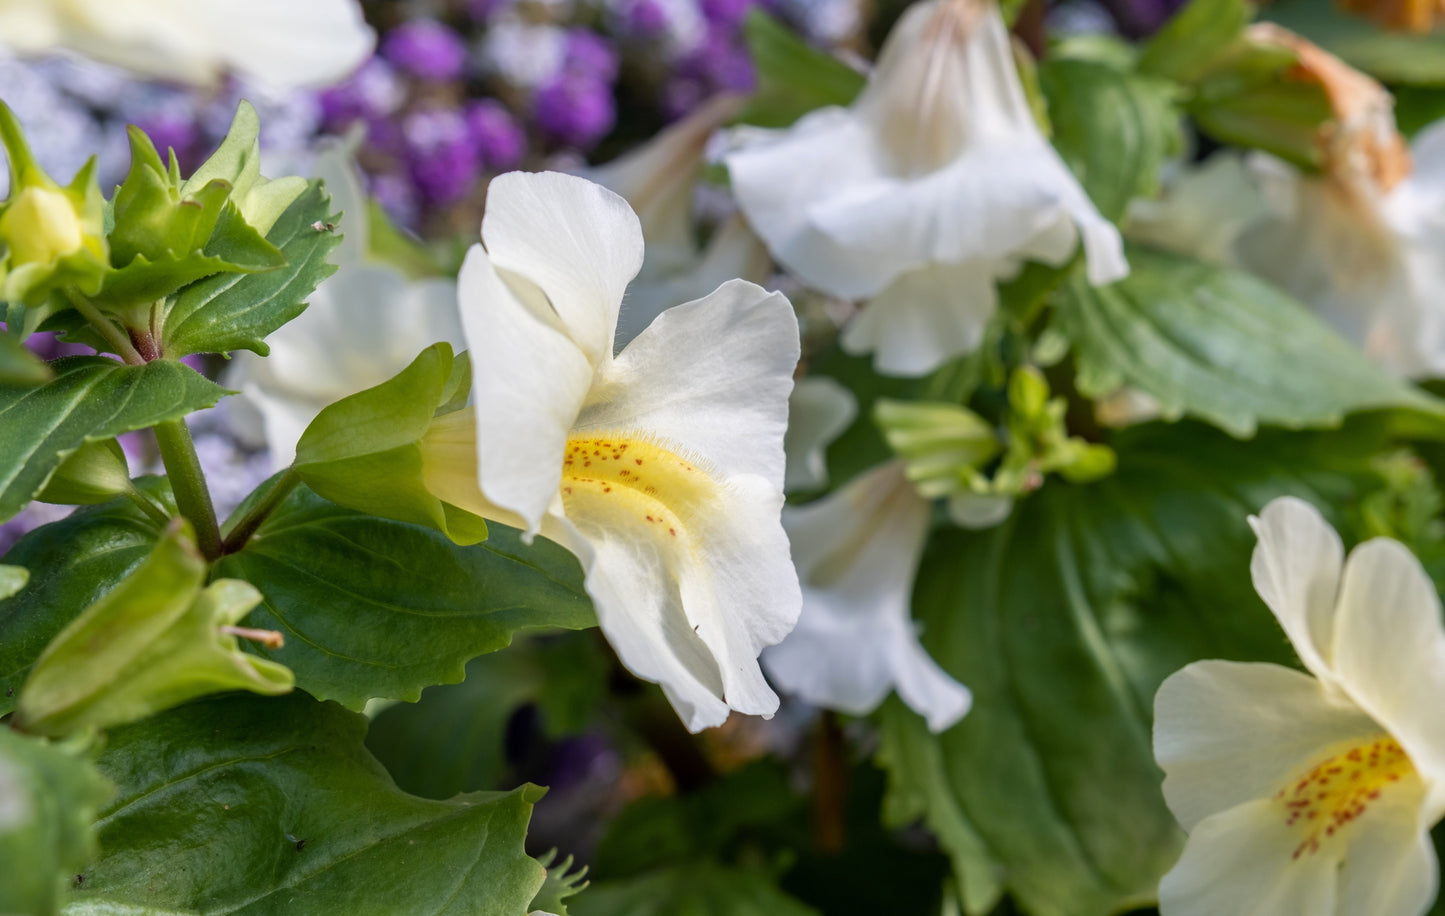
(237, 311)
(1221, 345)
(1063, 621)
(90, 399)
(48, 798)
(1189, 42)
(1113, 128)
(242, 805)
(376, 608)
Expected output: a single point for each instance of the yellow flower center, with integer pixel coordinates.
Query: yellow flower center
(1339, 789)
(620, 477)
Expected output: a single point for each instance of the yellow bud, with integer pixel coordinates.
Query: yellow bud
(40, 225)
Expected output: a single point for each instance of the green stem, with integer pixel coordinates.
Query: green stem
(188, 483)
(281, 488)
(148, 506)
(106, 328)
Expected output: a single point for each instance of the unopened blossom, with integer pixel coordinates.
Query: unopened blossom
(1313, 793)
(856, 552)
(283, 43)
(1363, 244)
(659, 180)
(660, 467)
(362, 325)
(932, 186)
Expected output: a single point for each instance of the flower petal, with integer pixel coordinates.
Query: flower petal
(575, 241)
(711, 377)
(529, 380)
(1390, 868)
(1389, 653)
(925, 318)
(780, 176)
(1240, 862)
(856, 552)
(819, 409)
(1229, 732)
(1296, 570)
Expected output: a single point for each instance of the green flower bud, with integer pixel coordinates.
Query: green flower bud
(156, 640)
(942, 444)
(94, 473)
(52, 236)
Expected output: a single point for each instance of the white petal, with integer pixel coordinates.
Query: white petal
(1296, 570)
(335, 166)
(819, 409)
(1240, 862)
(529, 380)
(1390, 868)
(286, 44)
(1389, 653)
(856, 552)
(711, 377)
(575, 241)
(1228, 732)
(780, 176)
(925, 318)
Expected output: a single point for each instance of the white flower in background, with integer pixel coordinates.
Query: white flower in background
(523, 54)
(661, 468)
(364, 324)
(1313, 794)
(1202, 210)
(932, 186)
(659, 180)
(1363, 244)
(282, 43)
(819, 409)
(856, 552)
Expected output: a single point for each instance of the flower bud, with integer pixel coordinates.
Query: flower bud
(156, 640)
(94, 473)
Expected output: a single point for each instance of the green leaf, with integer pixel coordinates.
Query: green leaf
(562, 883)
(90, 399)
(1189, 42)
(377, 608)
(12, 580)
(247, 805)
(793, 79)
(19, 366)
(237, 311)
(237, 162)
(153, 642)
(75, 561)
(1113, 128)
(1394, 57)
(365, 452)
(700, 889)
(1221, 345)
(48, 799)
(1063, 621)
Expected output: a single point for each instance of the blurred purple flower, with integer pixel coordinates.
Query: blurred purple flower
(49, 346)
(721, 62)
(372, 92)
(426, 48)
(726, 12)
(442, 160)
(496, 135)
(644, 19)
(591, 55)
(396, 196)
(574, 110)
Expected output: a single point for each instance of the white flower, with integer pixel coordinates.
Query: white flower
(856, 551)
(1369, 258)
(1202, 210)
(933, 185)
(282, 43)
(1313, 794)
(659, 180)
(364, 324)
(819, 409)
(661, 468)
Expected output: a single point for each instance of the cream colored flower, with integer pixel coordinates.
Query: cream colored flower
(1313, 793)
(933, 185)
(282, 43)
(660, 467)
